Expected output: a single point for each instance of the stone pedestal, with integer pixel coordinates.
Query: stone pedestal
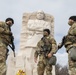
(10, 64)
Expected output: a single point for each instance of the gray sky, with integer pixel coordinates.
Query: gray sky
(60, 9)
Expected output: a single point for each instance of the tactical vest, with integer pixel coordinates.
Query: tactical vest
(6, 39)
(71, 37)
(46, 44)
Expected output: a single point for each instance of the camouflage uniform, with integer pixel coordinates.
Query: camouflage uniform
(43, 62)
(4, 36)
(70, 44)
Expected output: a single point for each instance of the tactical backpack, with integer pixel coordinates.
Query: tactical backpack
(72, 53)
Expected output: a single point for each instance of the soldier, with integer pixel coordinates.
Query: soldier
(46, 48)
(69, 41)
(5, 40)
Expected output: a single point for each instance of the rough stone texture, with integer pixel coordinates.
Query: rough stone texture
(10, 64)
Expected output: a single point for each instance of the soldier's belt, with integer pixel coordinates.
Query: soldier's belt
(41, 52)
(45, 53)
(70, 46)
(67, 44)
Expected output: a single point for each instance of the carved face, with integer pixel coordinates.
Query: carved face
(40, 15)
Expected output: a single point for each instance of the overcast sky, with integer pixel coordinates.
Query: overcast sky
(60, 9)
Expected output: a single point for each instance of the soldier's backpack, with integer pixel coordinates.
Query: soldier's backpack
(72, 53)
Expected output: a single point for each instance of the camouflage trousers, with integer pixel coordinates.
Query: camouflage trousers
(2, 60)
(43, 65)
(72, 64)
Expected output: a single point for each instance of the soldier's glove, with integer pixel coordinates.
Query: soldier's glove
(59, 45)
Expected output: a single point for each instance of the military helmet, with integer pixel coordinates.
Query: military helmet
(73, 18)
(9, 19)
(47, 30)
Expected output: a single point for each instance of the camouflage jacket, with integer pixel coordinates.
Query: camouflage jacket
(51, 44)
(71, 37)
(4, 33)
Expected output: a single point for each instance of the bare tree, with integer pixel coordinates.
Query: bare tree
(61, 70)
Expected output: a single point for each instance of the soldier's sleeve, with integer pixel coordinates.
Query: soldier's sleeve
(1, 27)
(37, 50)
(54, 46)
(72, 30)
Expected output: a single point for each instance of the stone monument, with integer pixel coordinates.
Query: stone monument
(32, 28)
